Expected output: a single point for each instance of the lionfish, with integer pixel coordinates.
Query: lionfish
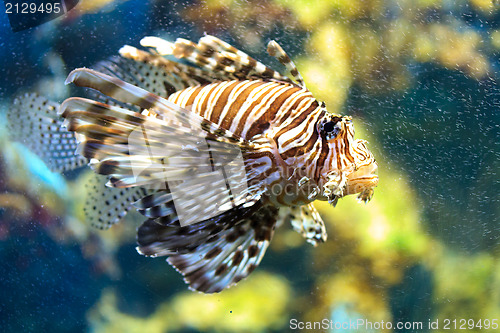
(213, 147)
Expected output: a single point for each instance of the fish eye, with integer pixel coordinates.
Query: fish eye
(331, 127)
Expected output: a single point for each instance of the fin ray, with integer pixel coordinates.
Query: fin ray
(217, 253)
(307, 222)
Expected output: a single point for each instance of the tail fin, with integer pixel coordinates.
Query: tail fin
(33, 120)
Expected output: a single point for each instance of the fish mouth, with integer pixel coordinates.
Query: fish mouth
(362, 181)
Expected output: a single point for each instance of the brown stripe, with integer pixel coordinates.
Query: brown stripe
(322, 157)
(313, 153)
(297, 151)
(200, 60)
(284, 59)
(226, 61)
(202, 109)
(308, 111)
(192, 96)
(204, 284)
(347, 152)
(219, 66)
(238, 278)
(175, 97)
(228, 119)
(237, 258)
(236, 105)
(337, 154)
(258, 154)
(246, 69)
(259, 125)
(302, 116)
(206, 50)
(146, 102)
(251, 268)
(107, 167)
(293, 107)
(213, 253)
(103, 85)
(231, 237)
(221, 102)
(301, 150)
(267, 73)
(221, 269)
(253, 250)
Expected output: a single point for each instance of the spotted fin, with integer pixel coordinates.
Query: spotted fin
(307, 222)
(106, 206)
(41, 130)
(155, 70)
(153, 73)
(214, 254)
(33, 121)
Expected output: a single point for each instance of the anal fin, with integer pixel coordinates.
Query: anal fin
(217, 253)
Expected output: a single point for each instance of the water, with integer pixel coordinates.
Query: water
(421, 84)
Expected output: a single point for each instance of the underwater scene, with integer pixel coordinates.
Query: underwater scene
(398, 233)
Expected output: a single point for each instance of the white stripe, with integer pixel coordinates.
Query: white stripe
(289, 102)
(200, 98)
(233, 96)
(301, 133)
(254, 95)
(263, 107)
(269, 91)
(213, 99)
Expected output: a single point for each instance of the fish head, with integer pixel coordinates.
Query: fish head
(348, 166)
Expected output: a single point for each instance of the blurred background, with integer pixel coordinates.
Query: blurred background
(420, 80)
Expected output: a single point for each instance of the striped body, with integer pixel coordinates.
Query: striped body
(247, 108)
(284, 113)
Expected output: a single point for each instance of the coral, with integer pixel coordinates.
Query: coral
(249, 19)
(264, 308)
(467, 287)
(367, 42)
(94, 6)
